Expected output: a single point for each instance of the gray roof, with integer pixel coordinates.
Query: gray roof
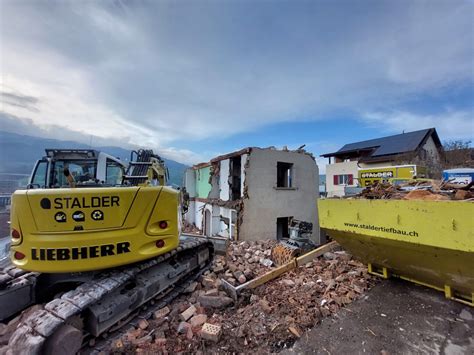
(397, 144)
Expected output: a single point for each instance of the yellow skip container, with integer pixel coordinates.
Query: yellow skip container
(427, 242)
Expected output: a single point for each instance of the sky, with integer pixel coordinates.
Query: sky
(195, 79)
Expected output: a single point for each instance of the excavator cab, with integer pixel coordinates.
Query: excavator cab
(76, 168)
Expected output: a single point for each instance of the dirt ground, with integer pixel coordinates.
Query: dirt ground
(394, 317)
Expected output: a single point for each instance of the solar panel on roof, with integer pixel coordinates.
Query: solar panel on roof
(400, 143)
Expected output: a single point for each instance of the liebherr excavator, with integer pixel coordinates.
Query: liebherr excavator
(93, 240)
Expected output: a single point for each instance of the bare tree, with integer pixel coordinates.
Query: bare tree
(458, 154)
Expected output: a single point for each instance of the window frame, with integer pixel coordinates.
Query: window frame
(45, 176)
(108, 162)
(343, 179)
(288, 175)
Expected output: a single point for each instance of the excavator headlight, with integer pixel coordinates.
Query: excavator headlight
(15, 234)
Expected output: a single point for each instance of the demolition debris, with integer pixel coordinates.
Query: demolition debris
(428, 190)
(267, 319)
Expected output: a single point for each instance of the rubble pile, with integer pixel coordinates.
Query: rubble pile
(430, 190)
(243, 261)
(190, 228)
(265, 319)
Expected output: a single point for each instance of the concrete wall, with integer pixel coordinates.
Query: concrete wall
(195, 213)
(223, 229)
(266, 203)
(190, 216)
(224, 180)
(219, 227)
(349, 167)
(190, 182)
(199, 214)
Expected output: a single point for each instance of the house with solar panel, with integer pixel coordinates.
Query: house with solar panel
(418, 149)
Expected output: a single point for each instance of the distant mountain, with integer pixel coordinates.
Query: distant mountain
(18, 154)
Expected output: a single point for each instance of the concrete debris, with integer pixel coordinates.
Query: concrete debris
(188, 313)
(214, 301)
(329, 256)
(190, 228)
(144, 340)
(266, 262)
(288, 282)
(264, 320)
(198, 320)
(429, 190)
(161, 313)
(143, 324)
(183, 327)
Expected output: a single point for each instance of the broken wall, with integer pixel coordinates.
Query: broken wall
(224, 180)
(266, 202)
(203, 187)
(190, 182)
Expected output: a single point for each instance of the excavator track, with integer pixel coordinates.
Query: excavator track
(16, 286)
(96, 306)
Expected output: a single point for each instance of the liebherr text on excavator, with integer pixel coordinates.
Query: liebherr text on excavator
(93, 239)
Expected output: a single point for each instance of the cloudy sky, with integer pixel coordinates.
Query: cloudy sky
(193, 79)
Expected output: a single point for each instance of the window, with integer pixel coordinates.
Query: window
(284, 174)
(39, 177)
(346, 179)
(113, 173)
(81, 170)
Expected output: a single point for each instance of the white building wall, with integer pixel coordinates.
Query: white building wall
(190, 216)
(377, 165)
(224, 228)
(349, 167)
(199, 214)
(224, 180)
(216, 220)
(190, 182)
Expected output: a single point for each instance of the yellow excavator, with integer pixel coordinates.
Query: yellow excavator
(93, 239)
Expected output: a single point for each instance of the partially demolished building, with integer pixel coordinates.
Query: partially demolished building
(251, 194)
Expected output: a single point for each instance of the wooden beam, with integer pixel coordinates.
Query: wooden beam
(313, 254)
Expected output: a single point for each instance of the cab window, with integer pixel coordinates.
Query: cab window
(113, 173)
(81, 170)
(39, 177)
